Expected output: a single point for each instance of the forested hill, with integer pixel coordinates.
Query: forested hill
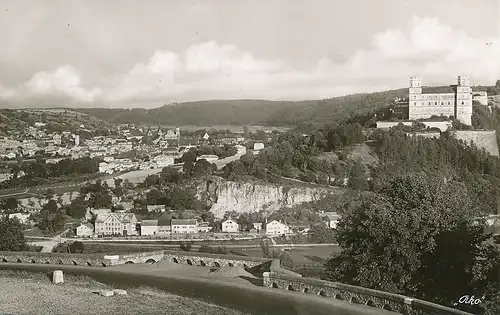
(251, 112)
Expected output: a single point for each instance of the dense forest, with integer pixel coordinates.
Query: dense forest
(303, 114)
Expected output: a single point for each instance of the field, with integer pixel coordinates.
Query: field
(26, 293)
(301, 255)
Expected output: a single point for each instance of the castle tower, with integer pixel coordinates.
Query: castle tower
(463, 100)
(414, 98)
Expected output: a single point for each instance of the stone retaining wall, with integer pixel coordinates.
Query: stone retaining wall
(358, 295)
(483, 139)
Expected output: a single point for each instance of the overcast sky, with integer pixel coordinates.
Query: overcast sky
(147, 53)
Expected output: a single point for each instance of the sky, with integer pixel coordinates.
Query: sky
(121, 53)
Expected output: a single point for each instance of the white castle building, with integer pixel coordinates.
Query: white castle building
(455, 100)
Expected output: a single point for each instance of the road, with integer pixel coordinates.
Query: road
(48, 245)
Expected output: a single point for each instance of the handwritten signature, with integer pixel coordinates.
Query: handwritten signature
(465, 299)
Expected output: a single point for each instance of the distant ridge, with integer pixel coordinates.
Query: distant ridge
(250, 111)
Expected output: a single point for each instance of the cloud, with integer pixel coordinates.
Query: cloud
(63, 83)
(209, 70)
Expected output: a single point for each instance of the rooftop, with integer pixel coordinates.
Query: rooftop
(149, 223)
(184, 222)
(437, 89)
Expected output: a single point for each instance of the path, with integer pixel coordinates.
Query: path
(48, 245)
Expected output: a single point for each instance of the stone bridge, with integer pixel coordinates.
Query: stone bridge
(357, 295)
(101, 260)
(215, 260)
(90, 260)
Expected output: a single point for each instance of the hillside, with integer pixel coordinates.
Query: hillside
(14, 120)
(251, 112)
(254, 112)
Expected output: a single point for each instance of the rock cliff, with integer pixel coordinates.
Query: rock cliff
(222, 196)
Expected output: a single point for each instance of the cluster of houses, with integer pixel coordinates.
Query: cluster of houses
(107, 223)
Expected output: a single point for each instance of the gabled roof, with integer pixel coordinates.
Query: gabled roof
(282, 223)
(184, 222)
(149, 223)
(164, 222)
(122, 217)
(88, 225)
(332, 216)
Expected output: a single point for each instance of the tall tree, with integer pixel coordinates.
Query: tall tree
(11, 235)
(412, 237)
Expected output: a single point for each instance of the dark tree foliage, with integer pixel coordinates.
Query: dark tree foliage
(38, 172)
(77, 247)
(322, 234)
(50, 219)
(9, 205)
(77, 208)
(295, 155)
(11, 235)
(413, 236)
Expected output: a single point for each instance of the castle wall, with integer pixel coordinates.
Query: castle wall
(486, 139)
(442, 125)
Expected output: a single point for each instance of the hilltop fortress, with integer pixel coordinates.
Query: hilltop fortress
(455, 100)
(448, 102)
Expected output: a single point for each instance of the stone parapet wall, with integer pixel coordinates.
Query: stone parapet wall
(214, 260)
(136, 258)
(91, 260)
(358, 295)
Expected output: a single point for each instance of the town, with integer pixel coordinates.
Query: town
(249, 157)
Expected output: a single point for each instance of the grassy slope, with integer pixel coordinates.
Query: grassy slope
(15, 120)
(26, 293)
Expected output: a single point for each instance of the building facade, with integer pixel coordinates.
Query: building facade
(276, 228)
(455, 100)
(116, 224)
(149, 227)
(85, 230)
(183, 226)
(229, 226)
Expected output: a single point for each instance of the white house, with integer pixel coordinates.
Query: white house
(22, 217)
(203, 227)
(229, 226)
(276, 228)
(331, 219)
(116, 223)
(149, 227)
(184, 226)
(257, 226)
(258, 146)
(85, 230)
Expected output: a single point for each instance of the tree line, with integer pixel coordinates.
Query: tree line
(39, 171)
